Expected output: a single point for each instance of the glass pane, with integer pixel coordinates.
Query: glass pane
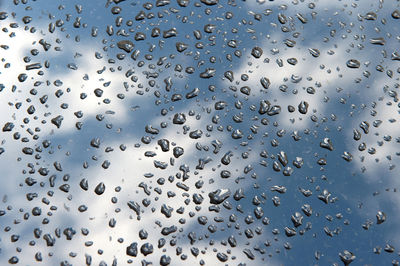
(206, 132)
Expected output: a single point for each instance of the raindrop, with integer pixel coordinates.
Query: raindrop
(353, 63)
(256, 52)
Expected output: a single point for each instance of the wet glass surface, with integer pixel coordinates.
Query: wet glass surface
(178, 132)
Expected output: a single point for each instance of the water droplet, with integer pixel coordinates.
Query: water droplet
(353, 63)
